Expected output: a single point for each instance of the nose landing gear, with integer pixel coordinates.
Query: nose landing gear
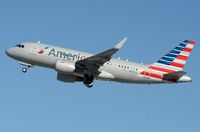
(27, 66)
(24, 70)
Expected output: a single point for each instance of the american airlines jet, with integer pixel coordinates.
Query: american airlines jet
(76, 66)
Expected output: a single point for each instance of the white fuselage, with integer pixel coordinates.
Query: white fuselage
(113, 70)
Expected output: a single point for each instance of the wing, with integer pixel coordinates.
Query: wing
(92, 63)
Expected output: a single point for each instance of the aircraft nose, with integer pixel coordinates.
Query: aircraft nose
(9, 52)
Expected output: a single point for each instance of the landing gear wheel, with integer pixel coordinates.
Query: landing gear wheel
(24, 70)
(89, 85)
(88, 80)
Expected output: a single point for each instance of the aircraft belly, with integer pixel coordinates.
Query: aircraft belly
(45, 62)
(125, 76)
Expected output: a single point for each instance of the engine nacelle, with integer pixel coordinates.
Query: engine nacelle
(64, 66)
(66, 78)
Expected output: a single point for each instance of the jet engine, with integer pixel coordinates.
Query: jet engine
(67, 78)
(64, 66)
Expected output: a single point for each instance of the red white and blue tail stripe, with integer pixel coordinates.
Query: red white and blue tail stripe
(175, 59)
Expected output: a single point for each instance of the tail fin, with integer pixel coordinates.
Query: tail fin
(175, 59)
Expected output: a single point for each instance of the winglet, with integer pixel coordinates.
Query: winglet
(121, 43)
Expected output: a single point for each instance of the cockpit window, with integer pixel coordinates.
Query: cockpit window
(17, 45)
(20, 46)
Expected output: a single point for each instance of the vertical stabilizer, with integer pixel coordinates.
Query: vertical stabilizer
(175, 59)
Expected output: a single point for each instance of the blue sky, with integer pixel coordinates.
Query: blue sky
(36, 101)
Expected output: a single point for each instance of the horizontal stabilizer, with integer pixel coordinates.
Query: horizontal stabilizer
(174, 76)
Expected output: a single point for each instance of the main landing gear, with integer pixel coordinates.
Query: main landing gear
(88, 80)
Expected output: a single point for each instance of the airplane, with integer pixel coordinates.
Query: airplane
(77, 66)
